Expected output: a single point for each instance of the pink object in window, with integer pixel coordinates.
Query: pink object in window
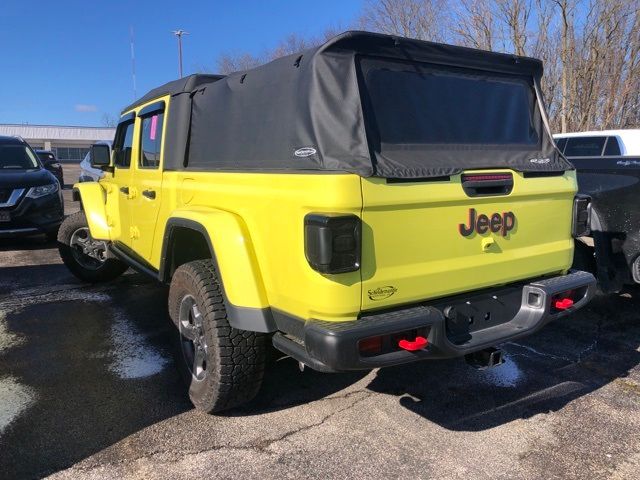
(154, 127)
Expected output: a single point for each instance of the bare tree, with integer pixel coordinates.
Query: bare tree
(590, 48)
(514, 16)
(108, 120)
(293, 43)
(422, 19)
(546, 46)
(474, 24)
(228, 63)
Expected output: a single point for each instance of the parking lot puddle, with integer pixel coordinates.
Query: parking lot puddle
(132, 355)
(20, 299)
(15, 398)
(506, 375)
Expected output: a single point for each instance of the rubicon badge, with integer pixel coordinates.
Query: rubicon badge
(496, 223)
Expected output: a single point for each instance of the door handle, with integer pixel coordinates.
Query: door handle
(125, 190)
(151, 194)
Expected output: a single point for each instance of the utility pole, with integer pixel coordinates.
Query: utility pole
(179, 34)
(133, 63)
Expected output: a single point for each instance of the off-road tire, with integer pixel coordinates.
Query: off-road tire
(110, 269)
(235, 359)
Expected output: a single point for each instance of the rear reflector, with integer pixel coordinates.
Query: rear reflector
(371, 345)
(418, 344)
(563, 304)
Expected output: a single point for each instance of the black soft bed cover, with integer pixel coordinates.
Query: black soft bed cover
(364, 103)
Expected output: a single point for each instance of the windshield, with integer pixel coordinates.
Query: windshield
(419, 104)
(17, 157)
(45, 156)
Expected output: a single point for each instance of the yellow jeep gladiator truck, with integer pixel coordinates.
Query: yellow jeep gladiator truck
(370, 202)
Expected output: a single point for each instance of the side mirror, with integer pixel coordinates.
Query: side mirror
(100, 156)
(52, 163)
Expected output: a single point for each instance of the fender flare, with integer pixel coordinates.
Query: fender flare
(92, 197)
(233, 257)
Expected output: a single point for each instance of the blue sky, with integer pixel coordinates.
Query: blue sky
(67, 62)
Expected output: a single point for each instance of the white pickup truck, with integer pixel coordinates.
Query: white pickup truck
(605, 143)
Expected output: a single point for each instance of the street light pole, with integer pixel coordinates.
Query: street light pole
(179, 34)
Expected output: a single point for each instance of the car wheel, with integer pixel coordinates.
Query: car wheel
(52, 235)
(223, 366)
(85, 257)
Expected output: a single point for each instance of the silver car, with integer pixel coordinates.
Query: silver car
(87, 172)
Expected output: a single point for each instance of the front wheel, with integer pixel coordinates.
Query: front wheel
(222, 365)
(84, 256)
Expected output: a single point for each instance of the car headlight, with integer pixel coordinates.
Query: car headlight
(42, 190)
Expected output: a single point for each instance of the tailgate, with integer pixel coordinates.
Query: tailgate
(418, 241)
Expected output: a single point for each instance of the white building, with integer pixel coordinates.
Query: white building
(69, 144)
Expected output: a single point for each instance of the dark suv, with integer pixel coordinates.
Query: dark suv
(50, 162)
(30, 196)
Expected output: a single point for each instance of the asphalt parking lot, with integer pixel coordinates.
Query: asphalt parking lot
(88, 389)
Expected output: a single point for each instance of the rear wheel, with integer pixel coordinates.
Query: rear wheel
(223, 366)
(84, 256)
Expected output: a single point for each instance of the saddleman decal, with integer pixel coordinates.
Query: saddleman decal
(381, 293)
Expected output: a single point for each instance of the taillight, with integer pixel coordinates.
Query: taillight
(581, 225)
(332, 242)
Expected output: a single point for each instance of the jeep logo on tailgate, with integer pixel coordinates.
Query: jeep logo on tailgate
(483, 223)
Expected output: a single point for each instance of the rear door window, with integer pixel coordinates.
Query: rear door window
(613, 147)
(151, 140)
(585, 146)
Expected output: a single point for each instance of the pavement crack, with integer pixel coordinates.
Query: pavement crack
(594, 345)
(261, 446)
(542, 354)
(582, 354)
(265, 444)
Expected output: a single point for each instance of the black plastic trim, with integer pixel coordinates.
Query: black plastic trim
(444, 178)
(335, 344)
(558, 173)
(128, 256)
(243, 318)
(127, 118)
(151, 109)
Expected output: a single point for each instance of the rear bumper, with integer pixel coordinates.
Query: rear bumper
(502, 315)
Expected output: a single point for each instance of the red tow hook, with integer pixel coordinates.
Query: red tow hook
(563, 304)
(418, 344)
